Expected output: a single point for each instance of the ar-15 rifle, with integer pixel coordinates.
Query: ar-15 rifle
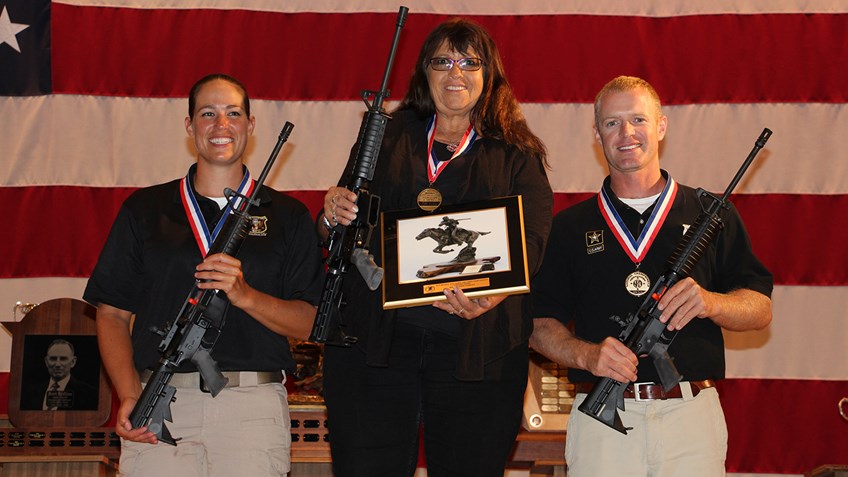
(349, 244)
(192, 335)
(643, 332)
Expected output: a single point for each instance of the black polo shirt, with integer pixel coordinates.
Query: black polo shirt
(148, 262)
(582, 278)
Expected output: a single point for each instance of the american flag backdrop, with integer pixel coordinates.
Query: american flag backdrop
(92, 101)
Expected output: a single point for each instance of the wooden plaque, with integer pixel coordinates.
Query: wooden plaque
(66, 328)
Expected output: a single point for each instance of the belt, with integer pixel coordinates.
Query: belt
(652, 391)
(235, 379)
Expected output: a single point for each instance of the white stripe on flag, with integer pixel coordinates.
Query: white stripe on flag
(137, 142)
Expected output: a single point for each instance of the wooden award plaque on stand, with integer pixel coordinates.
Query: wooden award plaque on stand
(56, 341)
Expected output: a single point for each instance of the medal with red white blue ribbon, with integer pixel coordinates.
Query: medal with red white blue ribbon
(638, 283)
(202, 234)
(430, 198)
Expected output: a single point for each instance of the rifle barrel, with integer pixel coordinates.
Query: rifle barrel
(758, 144)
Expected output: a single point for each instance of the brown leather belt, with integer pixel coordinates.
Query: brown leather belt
(235, 378)
(652, 391)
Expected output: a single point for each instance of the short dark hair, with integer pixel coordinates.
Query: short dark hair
(195, 90)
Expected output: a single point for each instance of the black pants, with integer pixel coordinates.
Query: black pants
(374, 414)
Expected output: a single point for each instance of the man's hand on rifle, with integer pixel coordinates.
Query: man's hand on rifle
(685, 301)
(610, 359)
(737, 310)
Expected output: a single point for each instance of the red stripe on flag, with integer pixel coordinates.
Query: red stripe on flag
(549, 58)
(783, 426)
(798, 236)
(69, 224)
(58, 230)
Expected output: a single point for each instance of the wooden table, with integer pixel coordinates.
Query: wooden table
(543, 453)
(50, 465)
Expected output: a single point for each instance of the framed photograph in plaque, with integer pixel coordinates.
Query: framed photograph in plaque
(478, 247)
(68, 363)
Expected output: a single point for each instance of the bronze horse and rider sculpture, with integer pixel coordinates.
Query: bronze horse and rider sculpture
(448, 236)
(452, 234)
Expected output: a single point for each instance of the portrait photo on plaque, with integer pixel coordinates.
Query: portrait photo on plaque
(60, 373)
(478, 247)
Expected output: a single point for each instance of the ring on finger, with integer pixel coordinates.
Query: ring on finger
(459, 312)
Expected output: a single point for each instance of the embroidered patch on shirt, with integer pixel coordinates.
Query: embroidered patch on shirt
(594, 241)
(258, 226)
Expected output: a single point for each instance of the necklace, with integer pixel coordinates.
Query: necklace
(453, 145)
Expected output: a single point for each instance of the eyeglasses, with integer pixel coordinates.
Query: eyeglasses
(442, 63)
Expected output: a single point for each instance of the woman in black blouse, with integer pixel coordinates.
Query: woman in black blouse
(457, 368)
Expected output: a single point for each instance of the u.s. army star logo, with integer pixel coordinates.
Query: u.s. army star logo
(258, 226)
(594, 241)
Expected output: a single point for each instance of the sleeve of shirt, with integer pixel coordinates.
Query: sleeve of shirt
(531, 182)
(739, 267)
(549, 287)
(304, 274)
(117, 277)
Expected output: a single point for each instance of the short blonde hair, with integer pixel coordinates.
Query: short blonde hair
(625, 83)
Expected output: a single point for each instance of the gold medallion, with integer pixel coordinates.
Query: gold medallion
(637, 283)
(429, 199)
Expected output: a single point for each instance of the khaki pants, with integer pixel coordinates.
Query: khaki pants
(673, 438)
(242, 431)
